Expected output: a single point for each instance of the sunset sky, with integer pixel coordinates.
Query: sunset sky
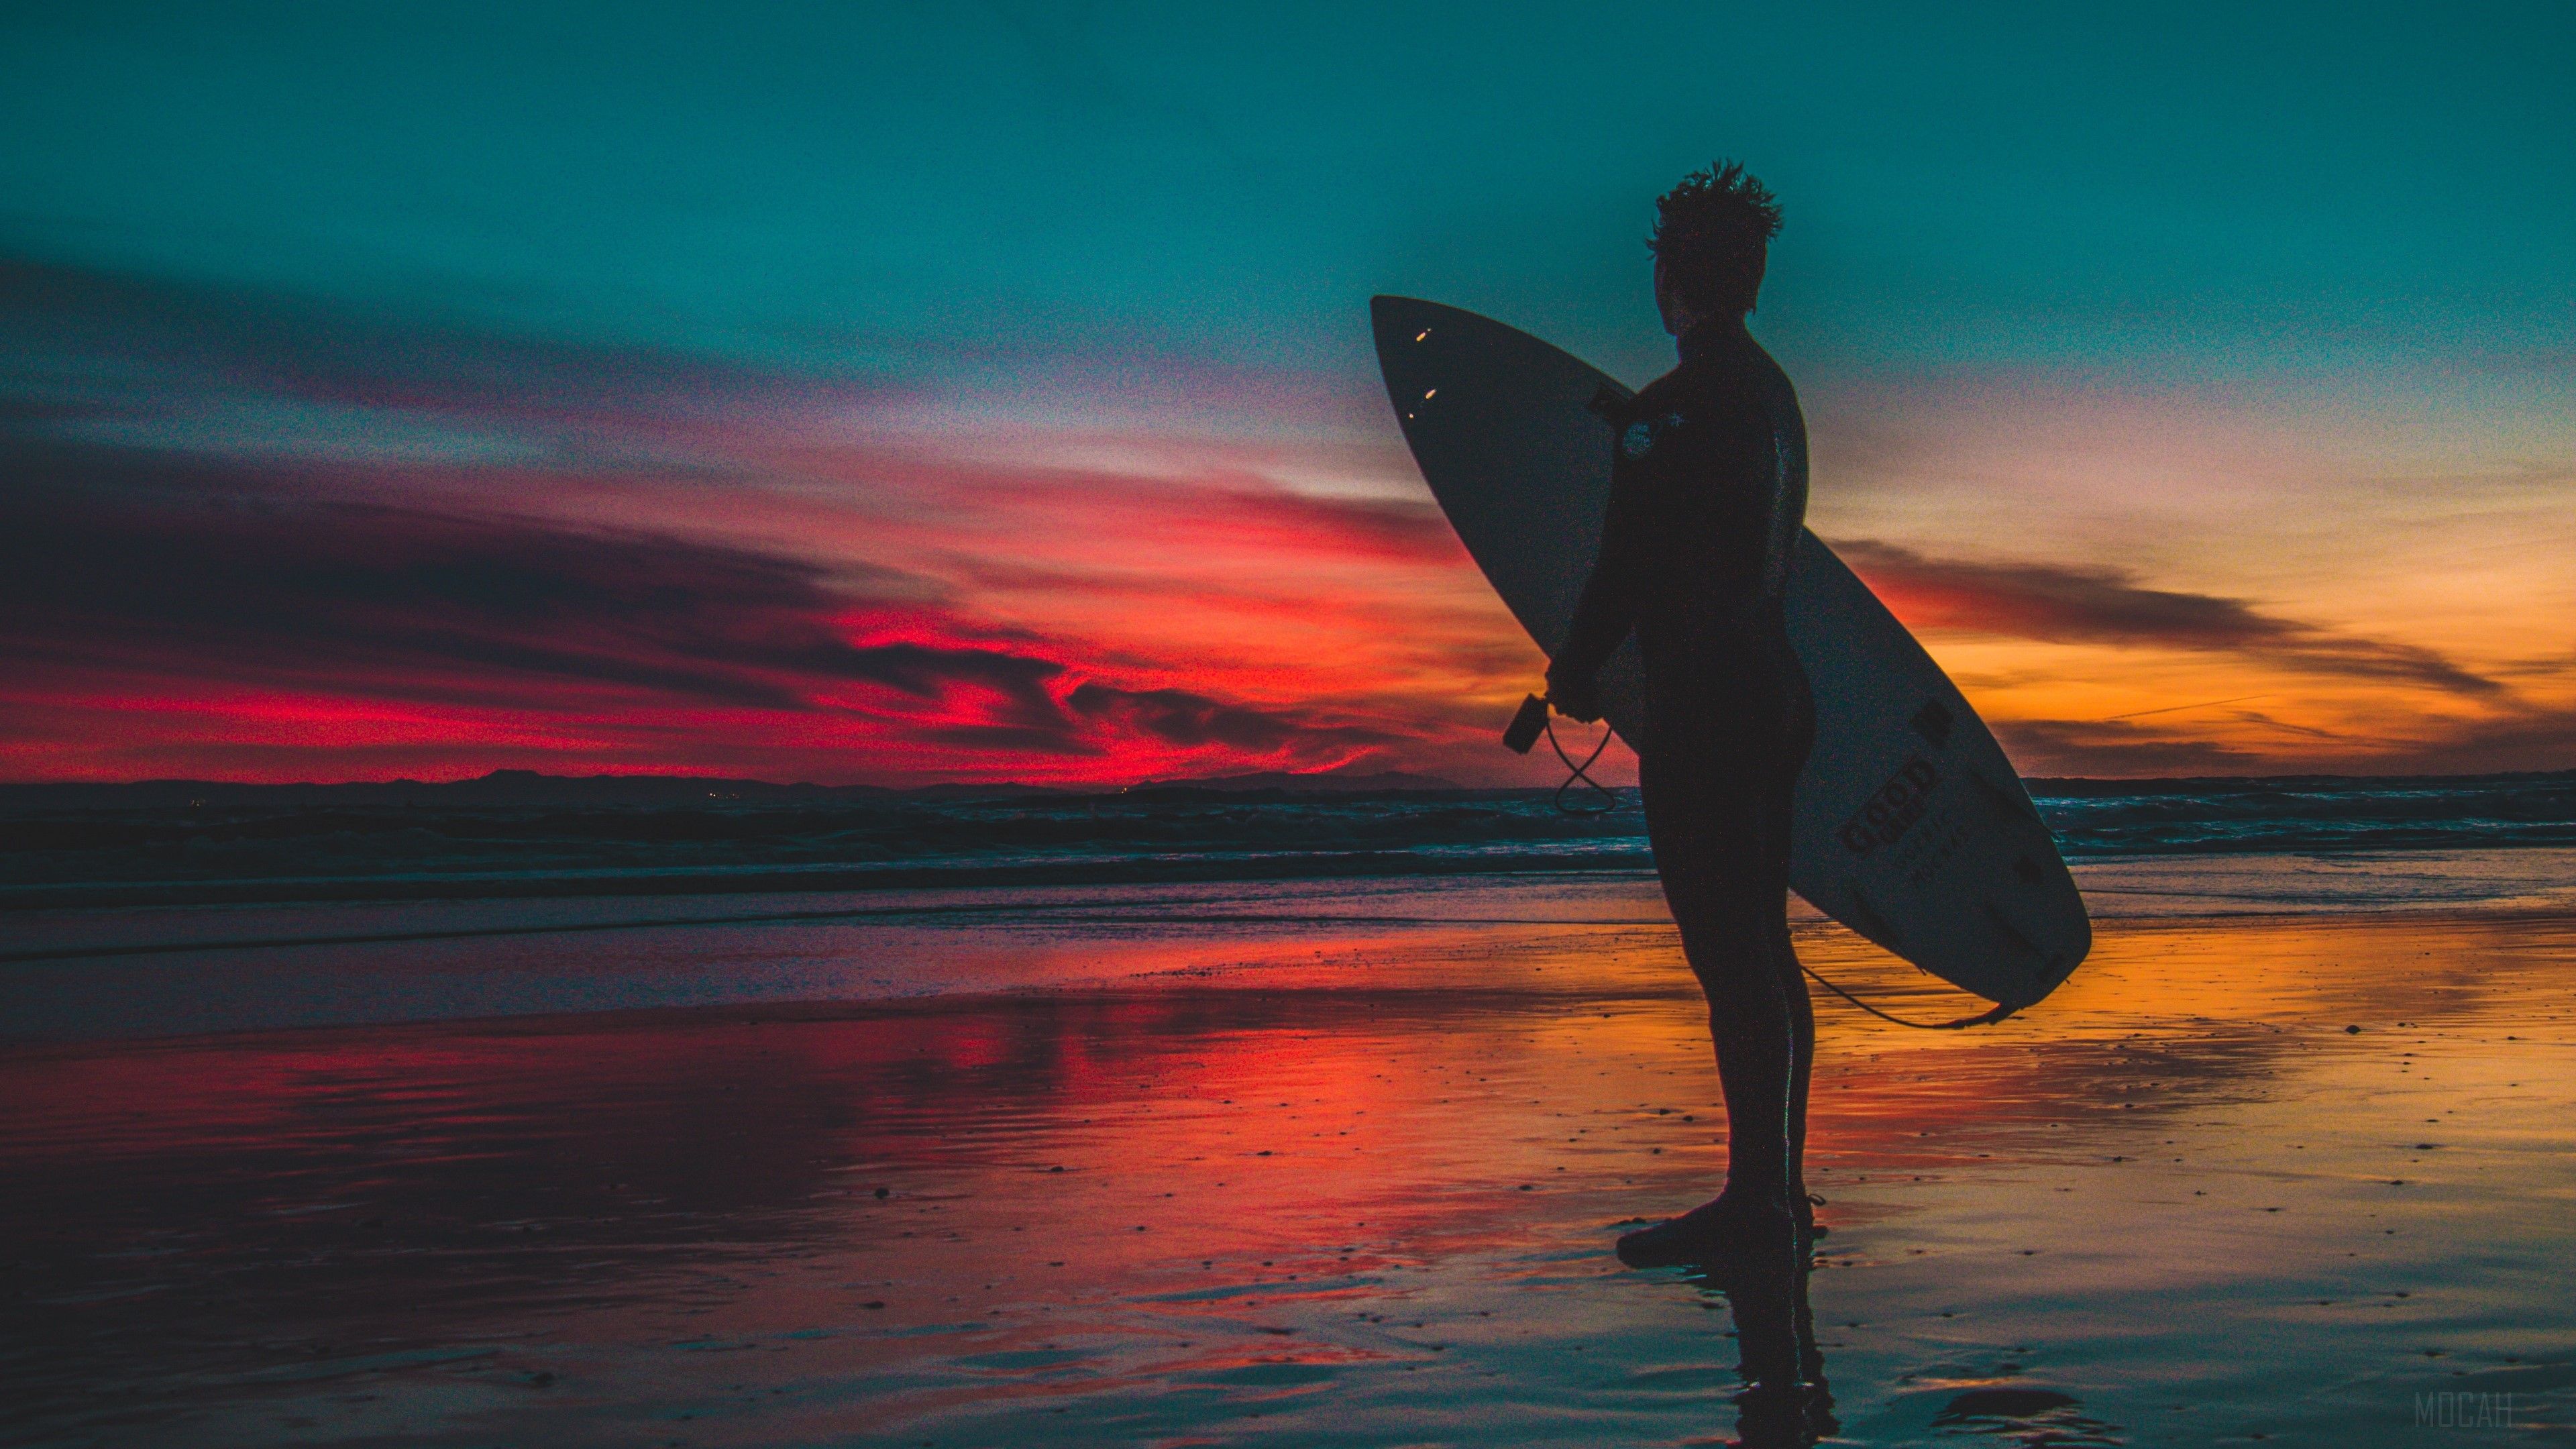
(912, 393)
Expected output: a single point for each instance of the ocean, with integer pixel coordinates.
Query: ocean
(99, 847)
(517, 893)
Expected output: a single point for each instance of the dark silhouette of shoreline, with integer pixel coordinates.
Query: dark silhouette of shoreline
(530, 787)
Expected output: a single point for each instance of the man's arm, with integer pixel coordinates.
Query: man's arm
(1756, 477)
(1608, 608)
(1786, 517)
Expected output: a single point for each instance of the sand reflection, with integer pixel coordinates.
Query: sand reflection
(1313, 1210)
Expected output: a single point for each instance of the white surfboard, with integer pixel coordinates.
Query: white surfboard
(1912, 828)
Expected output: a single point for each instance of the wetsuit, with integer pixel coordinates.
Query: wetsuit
(1708, 493)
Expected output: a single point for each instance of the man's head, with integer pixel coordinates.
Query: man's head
(1712, 234)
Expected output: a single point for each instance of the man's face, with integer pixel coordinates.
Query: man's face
(1676, 314)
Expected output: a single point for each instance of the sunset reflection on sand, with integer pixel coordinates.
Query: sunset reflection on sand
(1365, 1199)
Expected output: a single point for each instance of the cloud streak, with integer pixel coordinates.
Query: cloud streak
(143, 577)
(2059, 603)
(2116, 749)
(179, 343)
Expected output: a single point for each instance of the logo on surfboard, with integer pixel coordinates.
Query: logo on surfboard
(1893, 808)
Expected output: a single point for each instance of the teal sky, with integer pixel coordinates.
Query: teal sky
(900, 190)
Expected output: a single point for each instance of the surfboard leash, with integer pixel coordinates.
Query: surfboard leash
(1985, 1019)
(1575, 772)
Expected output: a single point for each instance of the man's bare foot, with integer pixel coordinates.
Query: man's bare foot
(1722, 1235)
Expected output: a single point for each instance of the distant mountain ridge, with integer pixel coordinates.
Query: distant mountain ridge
(500, 787)
(1334, 782)
(530, 787)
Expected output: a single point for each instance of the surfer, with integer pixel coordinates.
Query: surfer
(1708, 493)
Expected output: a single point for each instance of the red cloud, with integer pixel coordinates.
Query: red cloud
(247, 629)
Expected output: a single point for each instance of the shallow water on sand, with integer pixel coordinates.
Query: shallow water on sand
(1354, 1184)
(170, 970)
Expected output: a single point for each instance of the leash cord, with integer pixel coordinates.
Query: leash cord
(1575, 772)
(1987, 1019)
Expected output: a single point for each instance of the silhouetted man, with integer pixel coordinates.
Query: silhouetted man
(1708, 493)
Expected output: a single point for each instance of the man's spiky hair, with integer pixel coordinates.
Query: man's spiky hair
(1711, 233)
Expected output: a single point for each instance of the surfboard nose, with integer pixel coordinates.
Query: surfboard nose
(1402, 322)
(1387, 304)
(1392, 319)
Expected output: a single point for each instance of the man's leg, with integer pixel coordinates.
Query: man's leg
(1802, 1038)
(1778, 810)
(1710, 845)
(1759, 1023)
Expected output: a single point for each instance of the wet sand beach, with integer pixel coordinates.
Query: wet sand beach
(2295, 1178)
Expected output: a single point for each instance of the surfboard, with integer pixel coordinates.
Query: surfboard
(1912, 827)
